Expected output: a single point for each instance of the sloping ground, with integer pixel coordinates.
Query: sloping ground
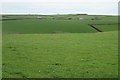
(60, 55)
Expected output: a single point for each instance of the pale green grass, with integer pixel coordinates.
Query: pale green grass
(78, 55)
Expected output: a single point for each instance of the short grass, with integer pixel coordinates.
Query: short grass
(46, 26)
(26, 24)
(35, 49)
(78, 55)
(104, 28)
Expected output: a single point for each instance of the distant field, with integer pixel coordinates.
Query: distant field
(60, 46)
(46, 26)
(55, 24)
(104, 28)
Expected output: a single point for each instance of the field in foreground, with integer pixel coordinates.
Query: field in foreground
(67, 55)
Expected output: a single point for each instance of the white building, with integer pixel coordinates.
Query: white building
(39, 17)
(81, 18)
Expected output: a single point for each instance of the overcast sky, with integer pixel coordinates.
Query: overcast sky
(100, 7)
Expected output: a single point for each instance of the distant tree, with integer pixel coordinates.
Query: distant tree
(69, 18)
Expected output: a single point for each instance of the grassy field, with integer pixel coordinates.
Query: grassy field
(60, 46)
(108, 27)
(46, 26)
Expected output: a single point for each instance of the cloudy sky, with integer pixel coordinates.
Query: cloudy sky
(100, 7)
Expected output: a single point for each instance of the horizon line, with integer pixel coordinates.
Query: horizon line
(54, 14)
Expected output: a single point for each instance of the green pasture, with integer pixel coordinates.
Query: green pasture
(31, 24)
(76, 55)
(46, 26)
(59, 46)
(112, 27)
